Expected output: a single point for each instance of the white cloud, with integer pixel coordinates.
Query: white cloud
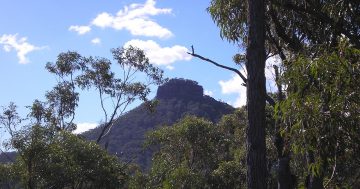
(270, 72)
(136, 19)
(170, 67)
(103, 20)
(7, 48)
(161, 55)
(233, 86)
(81, 30)
(21, 46)
(208, 92)
(96, 41)
(82, 127)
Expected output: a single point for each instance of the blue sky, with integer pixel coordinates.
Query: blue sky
(33, 33)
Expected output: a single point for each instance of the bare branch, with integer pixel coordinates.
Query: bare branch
(102, 104)
(334, 167)
(219, 65)
(270, 100)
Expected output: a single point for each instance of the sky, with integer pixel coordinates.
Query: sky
(33, 33)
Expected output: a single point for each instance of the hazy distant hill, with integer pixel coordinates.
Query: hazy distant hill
(177, 98)
(7, 157)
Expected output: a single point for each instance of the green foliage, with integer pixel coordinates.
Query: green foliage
(291, 26)
(230, 174)
(9, 118)
(49, 156)
(8, 177)
(195, 153)
(137, 180)
(189, 165)
(75, 72)
(321, 111)
(63, 99)
(65, 160)
(231, 17)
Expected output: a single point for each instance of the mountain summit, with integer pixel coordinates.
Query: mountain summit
(177, 98)
(181, 89)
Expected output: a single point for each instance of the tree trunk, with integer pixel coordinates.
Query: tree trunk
(256, 92)
(313, 181)
(30, 182)
(285, 180)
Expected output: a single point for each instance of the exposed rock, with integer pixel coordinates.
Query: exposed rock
(180, 88)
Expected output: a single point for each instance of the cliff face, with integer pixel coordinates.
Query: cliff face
(177, 98)
(180, 88)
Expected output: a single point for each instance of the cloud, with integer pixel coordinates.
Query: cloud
(233, 86)
(208, 92)
(157, 55)
(81, 30)
(21, 46)
(82, 127)
(103, 20)
(96, 41)
(270, 72)
(136, 19)
(170, 67)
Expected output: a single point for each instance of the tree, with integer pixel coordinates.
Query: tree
(65, 161)
(9, 177)
(250, 28)
(49, 155)
(292, 28)
(212, 153)
(187, 154)
(123, 90)
(255, 66)
(116, 93)
(322, 110)
(63, 99)
(195, 153)
(9, 118)
(56, 159)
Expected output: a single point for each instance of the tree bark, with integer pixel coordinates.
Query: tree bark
(313, 181)
(285, 179)
(256, 93)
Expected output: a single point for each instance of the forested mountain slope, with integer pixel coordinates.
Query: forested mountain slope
(177, 98)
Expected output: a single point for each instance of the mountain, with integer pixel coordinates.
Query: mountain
(177, 98)
(6, 157)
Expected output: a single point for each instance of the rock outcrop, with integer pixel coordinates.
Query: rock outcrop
(180, 88)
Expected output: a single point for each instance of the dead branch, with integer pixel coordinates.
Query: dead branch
(270, 100)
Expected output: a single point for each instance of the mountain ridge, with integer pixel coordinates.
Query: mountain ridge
(177, 98)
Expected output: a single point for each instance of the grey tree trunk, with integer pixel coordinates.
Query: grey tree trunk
(256, 92)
